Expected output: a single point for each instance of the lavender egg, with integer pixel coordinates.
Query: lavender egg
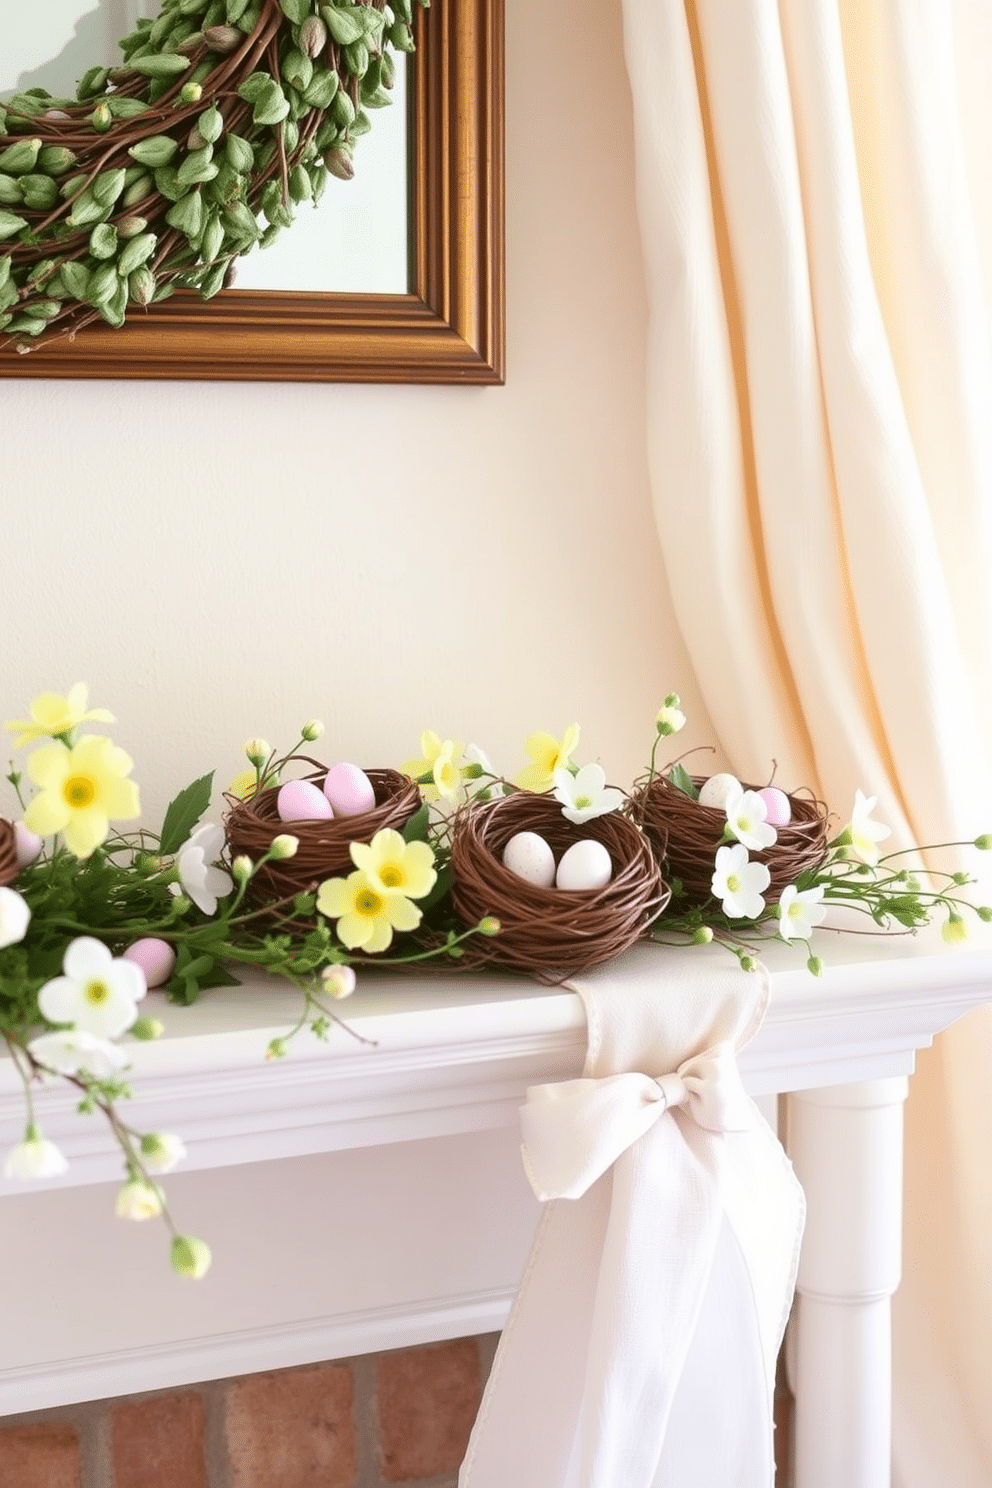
(156, 958)
(778, 808)
(301, 800)
(349, 790)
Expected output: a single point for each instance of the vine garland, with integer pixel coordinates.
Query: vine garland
(224, 116)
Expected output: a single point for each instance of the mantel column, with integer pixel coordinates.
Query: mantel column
(846, 1145)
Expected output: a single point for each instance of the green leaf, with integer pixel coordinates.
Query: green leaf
(415, 830)
(296, 10)
(183, 813)
(683, 781)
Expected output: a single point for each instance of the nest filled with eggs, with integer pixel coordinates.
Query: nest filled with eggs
(323, 842)
(8, 853)
(685, 836)
(547, 930)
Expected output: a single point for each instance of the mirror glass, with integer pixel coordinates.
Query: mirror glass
(355, 241)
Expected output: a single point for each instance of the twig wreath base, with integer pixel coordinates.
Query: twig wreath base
(323, 846)
(224, 116)
(8, 853)
(685, 837)
(548, 932)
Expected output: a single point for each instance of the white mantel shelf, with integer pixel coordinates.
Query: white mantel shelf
(398, 1212)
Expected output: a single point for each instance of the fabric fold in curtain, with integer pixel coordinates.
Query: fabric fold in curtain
(817, 234)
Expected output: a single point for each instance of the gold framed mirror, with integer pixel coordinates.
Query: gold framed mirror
(449, 326)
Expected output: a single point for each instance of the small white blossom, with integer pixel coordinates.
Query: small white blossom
(746, 819)
(799, 910)
(190, 1256)
(73, 1049)
(97, 994)
(586, 794)
(865, 833)
(738, 883)
(14, 917)
(34, 1158)
(138, 1200)
(199, 880)
(160, 1151)
(670, 720)
(338, 981)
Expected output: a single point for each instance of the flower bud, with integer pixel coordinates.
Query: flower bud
(669, 720)
(147, 1029)
(189, 1256)
(985, 913)
(489, 925)
(257, 751)
(276, 1049)
(138, 1200)
(314, 728)
(283, 846)
(748, 963)
(954, 929)
(130, 226)
(242, 868)
(223, 38)
(313, 36)
(190, 93)
(815, 966)
(339, 163)
(160, 1151)
(960, 879)
(702, 936)
(338, 981)
(984, 843)
(673, 700)
(101, 118)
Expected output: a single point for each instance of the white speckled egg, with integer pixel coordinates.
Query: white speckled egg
(586, 865)
(156, 958)
(349, 790)
(778, 807)
(714, 792)
(301, 800)
(530, 858)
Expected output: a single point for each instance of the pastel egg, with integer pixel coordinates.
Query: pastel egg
(156, 958)
(27, 844)
(586, 865)
(530, 858)
(778, 807)
(715, 791)
(301, 800)
(349, 790)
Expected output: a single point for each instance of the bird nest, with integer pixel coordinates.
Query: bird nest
(323, 850)
(685, 836)
(8, 853)
(552, 931)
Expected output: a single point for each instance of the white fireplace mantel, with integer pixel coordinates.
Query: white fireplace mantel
(399, 1212)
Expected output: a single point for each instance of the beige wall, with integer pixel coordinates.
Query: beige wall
(219, 560)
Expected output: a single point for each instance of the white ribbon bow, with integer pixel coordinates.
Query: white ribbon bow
(575, 1130)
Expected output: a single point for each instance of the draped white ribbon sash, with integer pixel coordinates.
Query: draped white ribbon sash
(640, 1351)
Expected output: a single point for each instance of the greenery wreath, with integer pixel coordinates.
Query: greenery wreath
(224, 117)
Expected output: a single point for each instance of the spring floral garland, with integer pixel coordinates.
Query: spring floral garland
(91, 916)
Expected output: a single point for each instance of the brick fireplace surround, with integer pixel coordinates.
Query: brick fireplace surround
(375, 1420)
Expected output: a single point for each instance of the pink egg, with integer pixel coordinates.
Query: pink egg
(301, 800)
(156, 958)
(777, 806)
(28, 844)
(349, 790)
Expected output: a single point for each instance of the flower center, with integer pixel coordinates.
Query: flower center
(96, 992)
(795, 910)
(582, 802)
(391, 876)
(368, 903)
(733, 883)
(79, 791)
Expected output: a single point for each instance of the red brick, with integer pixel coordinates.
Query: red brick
(292, 1429)
(40, 1456)
(160, 1443)
(428, 1400)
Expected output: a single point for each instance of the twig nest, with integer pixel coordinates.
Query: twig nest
(8, 853)
(323, 844)
(548, 931)
(685, 836)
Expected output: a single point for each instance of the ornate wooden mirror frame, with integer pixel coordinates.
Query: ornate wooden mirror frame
(447, 329)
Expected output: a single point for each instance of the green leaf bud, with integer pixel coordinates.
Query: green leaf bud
(313, 36)
(189, 1256)
(702, 935)
(210, 125)
(815, 966)
(147, 1029)
(223, 39)
(489, 925)
(276, 1048)
(242, 868)
(191, 92)
(283, 846)
(312, 730)
(338, 161)
(984, 843)
(101, 118)
(141, 285)
(130, 226)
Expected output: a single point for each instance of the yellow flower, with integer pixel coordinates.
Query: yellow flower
(81, 788)
(395, 866)
(54, 717)
(437, 769)
(366, 914)
(549, 754)
(243, 785)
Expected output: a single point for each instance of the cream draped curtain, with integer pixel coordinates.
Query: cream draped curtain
(814, 182)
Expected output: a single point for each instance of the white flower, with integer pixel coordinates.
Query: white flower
(98, 993)
(338, 981)
(478, 764)
(199, 880)
(14, 917)
(73, 1049)
(865, 833)
(138, 1200)
(585, 794)
(746, 818)
(739, 884)
(160, 1151)
(670, 720)
(34, 1158)
(798, 911)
